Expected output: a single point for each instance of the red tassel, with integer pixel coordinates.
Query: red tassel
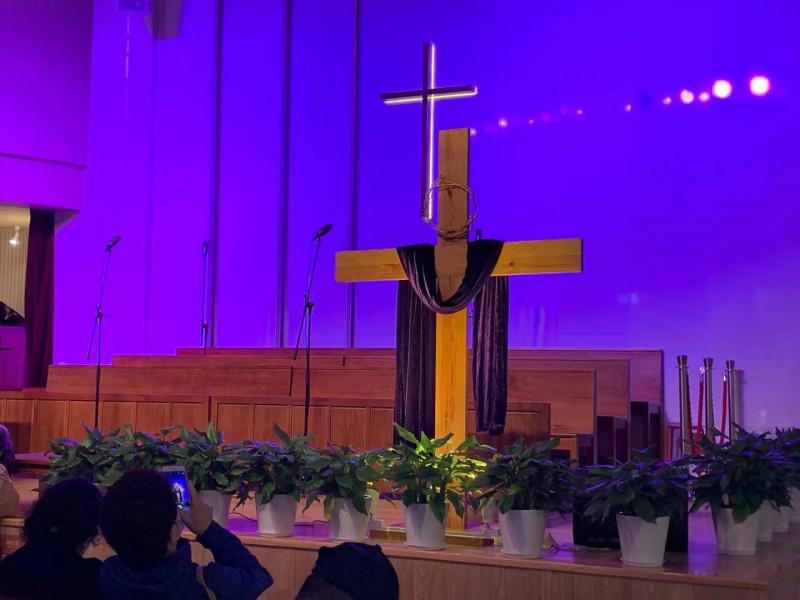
(724, 407)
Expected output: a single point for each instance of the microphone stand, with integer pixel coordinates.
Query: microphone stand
(98, 329)
(204, 300)
(308, 309)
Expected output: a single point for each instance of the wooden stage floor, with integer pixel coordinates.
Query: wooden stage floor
(463, 573)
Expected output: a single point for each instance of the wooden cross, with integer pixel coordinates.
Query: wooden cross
(428, 94)
(516, 258)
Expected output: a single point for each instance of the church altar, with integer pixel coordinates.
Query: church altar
(464, 573)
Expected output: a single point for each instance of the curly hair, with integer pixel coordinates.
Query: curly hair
(7, 458)
(138, 515)
(67, 514)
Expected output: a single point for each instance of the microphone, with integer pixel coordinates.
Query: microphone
(322, 231)
(114, 241)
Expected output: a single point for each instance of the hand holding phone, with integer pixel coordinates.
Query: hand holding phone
(179, 484)
(199, 516)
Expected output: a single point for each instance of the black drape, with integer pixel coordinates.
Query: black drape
(39, 297)
(420, 266)
(417, 302)
(490, 355)
(416, 357)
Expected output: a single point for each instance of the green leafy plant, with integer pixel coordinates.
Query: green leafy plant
(643, 487)
(276, 468)
(127, 449)
(523, 478)
(426, 474)
(70, 458)
(210, 464)
(788, 441)
(741, 474)
(341, 472)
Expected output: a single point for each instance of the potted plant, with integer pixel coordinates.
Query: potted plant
(788, 440)
(344, 477)
(525, 484)
(212, 466)
(275, 474)
(430, 478)
(642, 494)
(736, 479)
(70, 458)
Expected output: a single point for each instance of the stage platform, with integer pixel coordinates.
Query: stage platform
(464, 573)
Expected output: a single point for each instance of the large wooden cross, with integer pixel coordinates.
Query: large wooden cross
(517, 258)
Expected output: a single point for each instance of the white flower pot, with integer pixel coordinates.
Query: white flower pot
(276, 517)
(642, 543)
(423, 529)
(736, 538)
(522, 532)
(490, 514)
(795, 493)
(766, 515)
(220, 504)
(346, 523)
(781, 519)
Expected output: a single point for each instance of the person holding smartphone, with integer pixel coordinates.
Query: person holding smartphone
(142, 522)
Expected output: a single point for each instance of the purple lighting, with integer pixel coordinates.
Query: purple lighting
(704, 97)
(687, 97)
(759, 85)
(722, 89)
(531, 121)
(666, 101)
(473, 132)
(502, 122)
(628, 107)
(579, 112)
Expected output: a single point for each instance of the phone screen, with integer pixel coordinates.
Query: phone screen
(180, 489)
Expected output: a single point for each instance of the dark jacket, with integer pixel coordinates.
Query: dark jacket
(47, 570)
(235, 573)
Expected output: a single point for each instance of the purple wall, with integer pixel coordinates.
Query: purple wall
(688, 213)
(44, 110)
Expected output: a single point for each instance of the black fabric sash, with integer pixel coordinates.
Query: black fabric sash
(420, 266)
(418, 299)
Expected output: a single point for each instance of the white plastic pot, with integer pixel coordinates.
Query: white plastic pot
(346, 523)
(423, 529)
(781, 519)
(736, 538)
(522, 532)
(795, 494)
(490, 514)
(642, 543)
(766, 515)
(276, 517)
(220, 505)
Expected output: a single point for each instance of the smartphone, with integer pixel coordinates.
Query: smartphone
(176, 477)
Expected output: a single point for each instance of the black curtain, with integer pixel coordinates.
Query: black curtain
(418, 300)
(39, 297)
(490, 355)
(416, 357)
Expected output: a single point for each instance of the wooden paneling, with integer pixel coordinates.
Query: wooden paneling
(117, 414)
(319, 423)
(80, 412)
(235, 421)
(381, 428)
(19, 420)
(188, 414)
(266, 416)
(173, 380)
(152, 417)
(349, 426)
(344, 383)
(51, 421)
(570, 395)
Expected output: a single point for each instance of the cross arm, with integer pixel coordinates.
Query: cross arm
(517, 258)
